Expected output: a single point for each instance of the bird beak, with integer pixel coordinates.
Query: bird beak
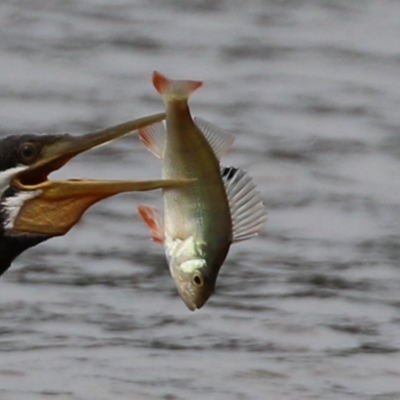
(53, 207)
(57, 150)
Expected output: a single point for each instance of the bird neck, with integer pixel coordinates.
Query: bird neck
(12, 246)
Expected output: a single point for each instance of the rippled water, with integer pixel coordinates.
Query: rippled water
(311, 308)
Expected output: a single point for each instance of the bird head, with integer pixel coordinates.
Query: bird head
(34, 208)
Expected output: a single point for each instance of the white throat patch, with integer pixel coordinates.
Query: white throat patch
(12, 206)
(6, 176)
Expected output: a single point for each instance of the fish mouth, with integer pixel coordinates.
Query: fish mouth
(192, 306)
(53, 207)
(194, 302)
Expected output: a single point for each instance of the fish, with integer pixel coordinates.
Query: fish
(203, 218)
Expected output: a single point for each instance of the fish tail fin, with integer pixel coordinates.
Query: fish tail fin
(176, 89)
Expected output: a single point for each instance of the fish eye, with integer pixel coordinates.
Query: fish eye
(27, 152)
(198, 280)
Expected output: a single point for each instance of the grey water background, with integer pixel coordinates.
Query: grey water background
(308, 310)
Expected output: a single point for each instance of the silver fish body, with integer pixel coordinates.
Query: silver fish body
(198, 227)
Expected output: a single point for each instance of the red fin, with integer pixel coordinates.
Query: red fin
(169, 87)
(153, 138)
(151, 217)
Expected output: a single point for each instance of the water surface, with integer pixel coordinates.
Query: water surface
(308, 310)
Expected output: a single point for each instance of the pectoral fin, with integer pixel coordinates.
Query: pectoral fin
(247, 209)
(152, 218)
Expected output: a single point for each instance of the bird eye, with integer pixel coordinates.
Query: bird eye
(27, 152)
(198, 280)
